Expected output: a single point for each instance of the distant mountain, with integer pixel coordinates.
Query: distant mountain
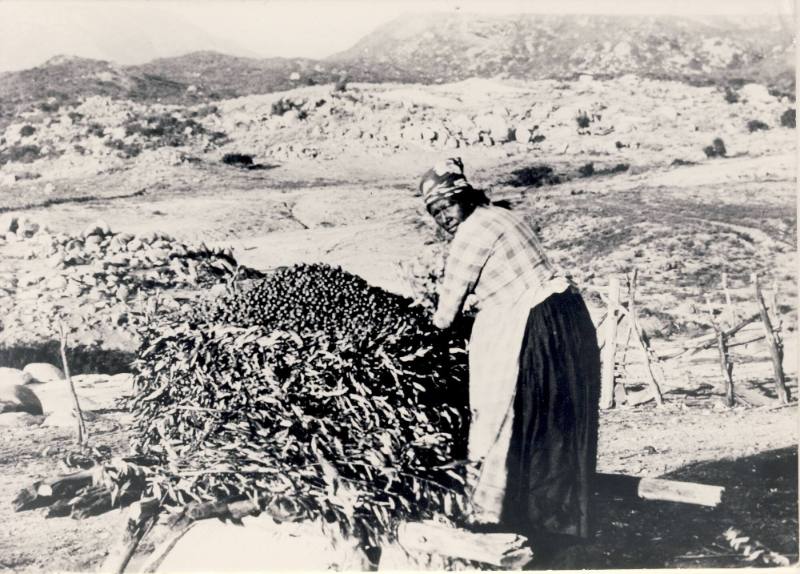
(219, 75)
(434, 48)
(441, 48)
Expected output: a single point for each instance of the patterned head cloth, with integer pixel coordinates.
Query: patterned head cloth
(444, 181)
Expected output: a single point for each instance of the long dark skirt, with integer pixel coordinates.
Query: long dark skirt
(553, 452)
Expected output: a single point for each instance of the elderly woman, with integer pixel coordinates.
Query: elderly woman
(534, 365)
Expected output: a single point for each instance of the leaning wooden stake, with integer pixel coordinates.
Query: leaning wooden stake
(773, 342)
(724, 358)
(82, 436)
(637, 329)
(142, 516)
(610, 346)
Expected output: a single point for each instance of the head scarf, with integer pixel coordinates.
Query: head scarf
(445, 181)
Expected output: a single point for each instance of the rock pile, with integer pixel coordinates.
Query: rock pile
(99, 279)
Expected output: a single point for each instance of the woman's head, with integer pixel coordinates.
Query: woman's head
(448, 197)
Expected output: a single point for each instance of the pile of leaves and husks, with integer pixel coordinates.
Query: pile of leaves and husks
(309, 392)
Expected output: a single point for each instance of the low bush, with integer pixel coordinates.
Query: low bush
(534, 176)
(238, 159)
(756, 125)
(21, 154)
(27, 130)
(788, 118)
(583, 120)
(716, 149)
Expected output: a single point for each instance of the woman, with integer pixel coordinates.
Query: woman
(534, 365)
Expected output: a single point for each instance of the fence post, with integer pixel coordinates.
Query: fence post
(775, 350)
(610, 345)
(724, 358)
(656, 390)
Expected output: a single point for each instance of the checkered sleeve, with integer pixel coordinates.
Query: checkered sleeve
(469, 251)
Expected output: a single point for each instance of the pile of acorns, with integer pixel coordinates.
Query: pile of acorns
(310, 386)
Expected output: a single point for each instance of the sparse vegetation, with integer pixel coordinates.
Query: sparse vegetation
(756, 125)
(583, 120)
(20, 154)
(788, 118)
(716, 149)
(731, 96)
(238, 159)
(27, 130)
(534, 176)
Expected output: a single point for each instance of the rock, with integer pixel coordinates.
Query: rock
(8, 222)
(56, 283)
(11, 237)
(19, 398)
(11, 377)
(27, 227)
(495, 125)
(44, 372)
(49, 188)
(92, 241)
(19, 419)
(756, 93)
(122, 293)
(98, 228)
(211, 545)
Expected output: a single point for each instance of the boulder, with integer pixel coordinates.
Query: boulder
(44, 372)
(495, 125)
(756, 93)
(8, 222)
(56, 283)
(260, 544)
(19, 398)
(19, 419)
(11, 377)
(100, 228)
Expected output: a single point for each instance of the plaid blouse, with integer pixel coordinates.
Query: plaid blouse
(497, 256)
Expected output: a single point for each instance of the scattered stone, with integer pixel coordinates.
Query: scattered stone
(11, 377)
(19, 398)
(44, 372)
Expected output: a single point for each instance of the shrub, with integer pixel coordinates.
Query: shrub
(126, 149)
(755, 125)
(586, 170)
(583, 120)
(310, 389)
(716, 149)
(731, 96)
(534, 176)
(788, 118)
(21, 154)
(27, 130)
(237, 159)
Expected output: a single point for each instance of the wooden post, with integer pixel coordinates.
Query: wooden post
(774, 347)
(610, 346)
(656, 390)
(142, 516)
(724, 358)
(729, 310)
(83, 438)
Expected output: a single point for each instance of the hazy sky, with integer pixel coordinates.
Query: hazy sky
(136, 31)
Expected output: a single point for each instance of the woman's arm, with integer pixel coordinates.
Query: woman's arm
(469, 251)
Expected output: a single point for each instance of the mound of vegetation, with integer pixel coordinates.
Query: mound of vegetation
(312, 390)
(534, 176)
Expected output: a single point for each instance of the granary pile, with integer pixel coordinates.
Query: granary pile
(310, 390)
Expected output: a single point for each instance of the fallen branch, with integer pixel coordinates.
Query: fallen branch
(507, 550)
(753, 550)
(46, 492)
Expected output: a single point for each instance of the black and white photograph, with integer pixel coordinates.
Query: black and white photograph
(352, 285)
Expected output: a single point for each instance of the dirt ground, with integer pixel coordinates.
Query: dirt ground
(681, 226)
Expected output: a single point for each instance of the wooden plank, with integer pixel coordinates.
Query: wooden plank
(609, 352)
(629, 487)
(775, 350)
(507, 550)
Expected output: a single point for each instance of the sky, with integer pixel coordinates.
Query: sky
(137, 31)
